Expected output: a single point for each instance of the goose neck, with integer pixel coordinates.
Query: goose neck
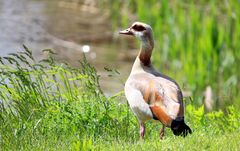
(146, 53)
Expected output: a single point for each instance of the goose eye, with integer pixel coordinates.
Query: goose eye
(138, 28)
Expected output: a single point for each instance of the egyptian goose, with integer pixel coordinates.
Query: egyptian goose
(150, 94)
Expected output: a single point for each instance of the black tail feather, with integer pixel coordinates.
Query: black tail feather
(180, 128)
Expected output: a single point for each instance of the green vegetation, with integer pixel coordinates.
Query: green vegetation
(197, 42)
(46, 106)
(48, 101)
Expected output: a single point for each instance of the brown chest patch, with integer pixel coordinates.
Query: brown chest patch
(145, 59)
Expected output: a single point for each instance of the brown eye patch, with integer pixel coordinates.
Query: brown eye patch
(138, 28)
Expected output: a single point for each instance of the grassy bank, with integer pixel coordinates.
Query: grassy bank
(52, 106)
(46, 100)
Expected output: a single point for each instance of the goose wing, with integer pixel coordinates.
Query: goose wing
(151, 96)
(165, 99)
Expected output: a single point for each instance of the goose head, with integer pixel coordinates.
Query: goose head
(140, 30)
(143, 32)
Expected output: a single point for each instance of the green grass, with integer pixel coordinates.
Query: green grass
(197, 141)
(52, 106)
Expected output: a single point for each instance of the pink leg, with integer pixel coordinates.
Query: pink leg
(142, 130)
(162, 132)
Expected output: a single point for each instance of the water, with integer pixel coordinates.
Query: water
(68, 29)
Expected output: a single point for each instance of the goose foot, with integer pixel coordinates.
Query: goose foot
(162, 130)
(142, 130)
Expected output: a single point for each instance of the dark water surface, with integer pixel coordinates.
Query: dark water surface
(69, 29)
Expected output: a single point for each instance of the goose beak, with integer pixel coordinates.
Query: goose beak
(126, 32)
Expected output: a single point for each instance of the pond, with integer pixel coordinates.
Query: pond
(69, 28)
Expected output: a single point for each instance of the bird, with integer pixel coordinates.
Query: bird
(151, 94)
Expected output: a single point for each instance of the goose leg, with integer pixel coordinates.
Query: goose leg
(162, 132)
(142, 130)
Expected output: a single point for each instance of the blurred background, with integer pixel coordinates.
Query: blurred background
(196, 41)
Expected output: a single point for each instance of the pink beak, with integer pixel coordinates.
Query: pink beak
(126, 32)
